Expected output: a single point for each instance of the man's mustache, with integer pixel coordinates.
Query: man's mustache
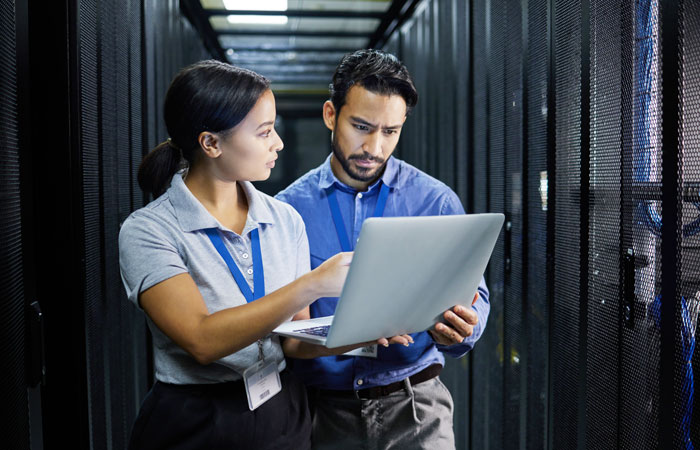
(366, 156)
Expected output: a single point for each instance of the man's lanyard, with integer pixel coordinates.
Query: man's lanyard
(258, 274)
(338, 217)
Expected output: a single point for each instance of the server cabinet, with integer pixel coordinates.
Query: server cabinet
(580, 127)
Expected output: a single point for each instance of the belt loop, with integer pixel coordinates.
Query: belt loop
(408, 387)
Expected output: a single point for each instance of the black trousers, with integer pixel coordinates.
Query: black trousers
(217, 417)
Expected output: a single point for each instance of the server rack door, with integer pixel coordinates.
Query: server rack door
(12, 280)
(536, 208)
(566, 320)
(687, 365)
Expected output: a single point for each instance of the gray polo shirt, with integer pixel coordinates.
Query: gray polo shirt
(167, 238)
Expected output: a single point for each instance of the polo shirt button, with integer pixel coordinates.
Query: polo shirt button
(359, 195)
(359, 382)
(250, 271)
(244, 255)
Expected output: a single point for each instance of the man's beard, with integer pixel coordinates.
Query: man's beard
(357, 173)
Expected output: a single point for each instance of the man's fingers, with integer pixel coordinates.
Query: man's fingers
(466, 314)
(457, 323)
(450, 333)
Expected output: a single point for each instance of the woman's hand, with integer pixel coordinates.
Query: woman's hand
(330, 276)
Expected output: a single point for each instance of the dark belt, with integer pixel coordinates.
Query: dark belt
(376, 392)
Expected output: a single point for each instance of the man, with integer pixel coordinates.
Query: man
(396, 399)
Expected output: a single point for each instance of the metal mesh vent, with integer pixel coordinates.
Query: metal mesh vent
(496, 202)
(564, 337)
(640, 345)
(588, 161)
(89, 101)
(605, 224)
(687, 406)
(486, 358)
(13, 393)
(513, 326)
(536, 314)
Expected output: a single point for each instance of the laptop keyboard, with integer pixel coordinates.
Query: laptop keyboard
(316, 331)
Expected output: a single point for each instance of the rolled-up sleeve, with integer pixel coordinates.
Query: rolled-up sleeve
(146, 256)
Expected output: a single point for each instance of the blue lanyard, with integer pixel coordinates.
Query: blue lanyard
(338, 217)
(258, 274)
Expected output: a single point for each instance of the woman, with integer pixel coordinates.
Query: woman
(190, 257)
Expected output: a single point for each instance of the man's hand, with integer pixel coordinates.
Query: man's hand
(460, 324)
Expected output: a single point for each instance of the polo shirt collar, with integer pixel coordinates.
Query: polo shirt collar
(390, 177)
(192, 215)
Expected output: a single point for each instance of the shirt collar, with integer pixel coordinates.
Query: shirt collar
(192, 215)
(390, 177)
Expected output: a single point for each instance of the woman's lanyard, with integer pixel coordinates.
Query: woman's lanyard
(338, 217)
(258, 274)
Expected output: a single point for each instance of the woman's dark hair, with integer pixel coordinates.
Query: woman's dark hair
(376, 71)
(206, 96)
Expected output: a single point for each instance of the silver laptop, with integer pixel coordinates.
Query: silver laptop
(406, 271)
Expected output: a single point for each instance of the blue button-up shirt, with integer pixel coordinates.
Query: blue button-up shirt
(412, 193)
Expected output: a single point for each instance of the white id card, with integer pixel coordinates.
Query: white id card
(262, 382)
(368, 352)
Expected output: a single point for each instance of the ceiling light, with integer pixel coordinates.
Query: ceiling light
(266, 20)
(258, 5)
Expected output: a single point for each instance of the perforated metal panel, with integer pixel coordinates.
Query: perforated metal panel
(487, 357)
(605, 224)
(479, 106)
(536, 313)
(13, 393)
(687, 406)
(640, 343)
(564, 335)
(460, 58)
(90, 141)
(496, 129)
(565, 101)
(514, 341)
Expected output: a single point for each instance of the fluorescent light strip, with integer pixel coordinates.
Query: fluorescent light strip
(258, 5)
(262, 20)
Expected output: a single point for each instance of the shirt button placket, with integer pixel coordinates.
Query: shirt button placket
(244, 253)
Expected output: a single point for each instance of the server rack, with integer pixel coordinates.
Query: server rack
(580, 128)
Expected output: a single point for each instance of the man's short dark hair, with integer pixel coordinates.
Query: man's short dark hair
(378, 72)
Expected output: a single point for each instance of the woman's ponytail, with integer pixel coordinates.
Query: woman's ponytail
(158, 167)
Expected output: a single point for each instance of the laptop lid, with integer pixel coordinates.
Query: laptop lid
(406, 271)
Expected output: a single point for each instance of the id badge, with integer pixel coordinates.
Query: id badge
(262, 382)
(368, 352)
